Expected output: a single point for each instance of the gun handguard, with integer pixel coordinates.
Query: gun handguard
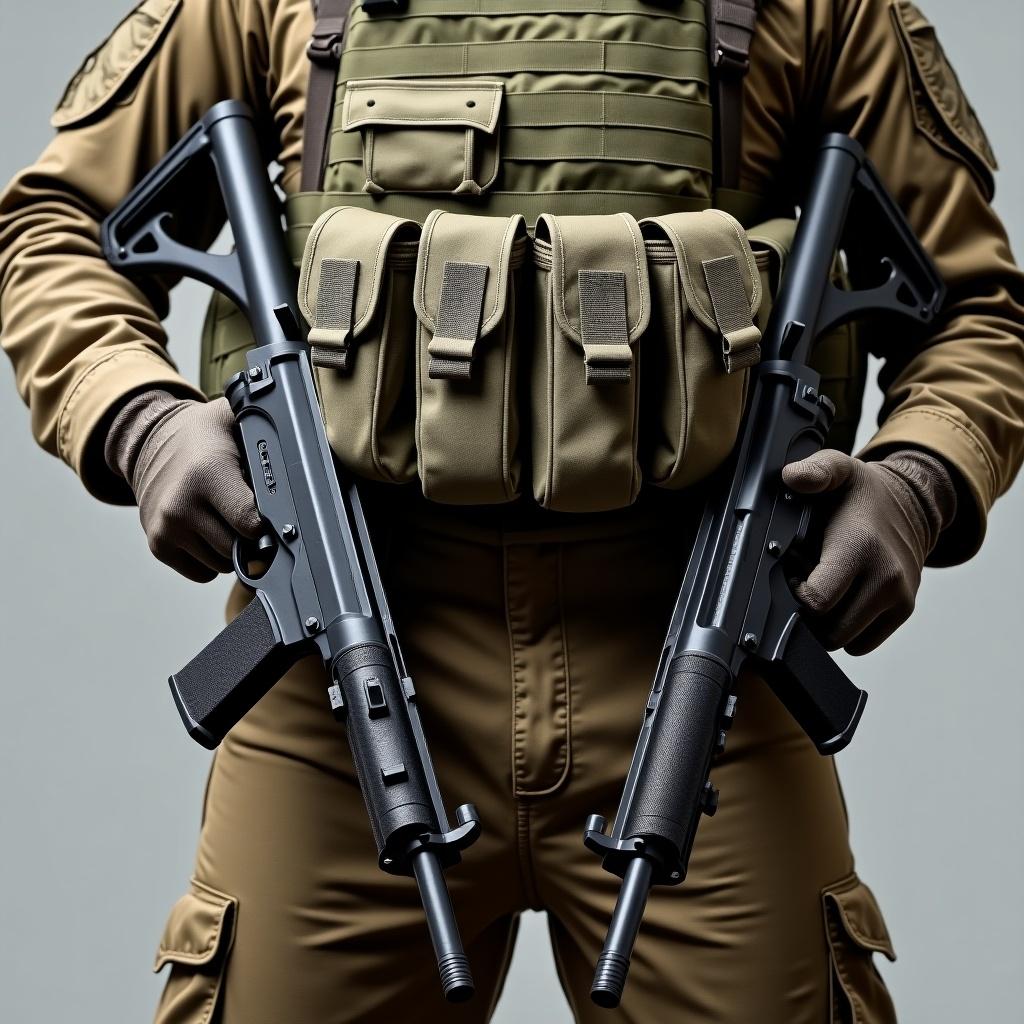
(735, 608)
(320, 591)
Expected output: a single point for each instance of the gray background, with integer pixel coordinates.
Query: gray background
(100, 788)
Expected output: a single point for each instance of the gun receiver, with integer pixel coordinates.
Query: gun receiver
(321, 591)
(735, 608)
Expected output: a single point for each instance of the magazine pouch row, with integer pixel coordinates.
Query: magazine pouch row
(618, 355)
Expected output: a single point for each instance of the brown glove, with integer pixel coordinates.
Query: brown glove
(884, 521)
(182, 462)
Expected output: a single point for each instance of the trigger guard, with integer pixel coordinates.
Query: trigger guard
(239, 561)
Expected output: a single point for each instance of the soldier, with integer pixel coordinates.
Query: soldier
(532, 635)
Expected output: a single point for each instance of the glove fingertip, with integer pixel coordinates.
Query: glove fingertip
(250, 523)
(809, 596)
(806, 477)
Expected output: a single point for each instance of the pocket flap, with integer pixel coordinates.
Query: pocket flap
(466, 103)
(343, 271)
(719, 277)
(200, 926)
(608, 247)
(462, 283)
(860, 916)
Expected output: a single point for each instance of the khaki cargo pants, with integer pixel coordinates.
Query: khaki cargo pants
(532, 654)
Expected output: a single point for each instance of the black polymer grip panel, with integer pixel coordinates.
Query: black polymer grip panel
(383, 746)
(230, 674)
(670, 787)
(816, 691)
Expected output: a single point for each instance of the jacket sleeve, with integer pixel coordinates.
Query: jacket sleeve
(81, 336)
(959, 391)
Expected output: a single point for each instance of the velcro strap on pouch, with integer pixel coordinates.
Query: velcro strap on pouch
(600, 289)
(342, 277)
(331, 329)
(462, 284)
(458, 320)
(740, 338)
(605, 333)
(719, 277)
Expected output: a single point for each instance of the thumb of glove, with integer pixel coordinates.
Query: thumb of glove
(827, 470)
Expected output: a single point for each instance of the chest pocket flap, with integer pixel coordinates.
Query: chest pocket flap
(423, 135)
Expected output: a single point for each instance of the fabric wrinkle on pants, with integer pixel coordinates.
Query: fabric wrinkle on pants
(532, 653)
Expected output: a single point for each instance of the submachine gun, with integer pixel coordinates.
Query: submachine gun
(321, 590)
(735, 608)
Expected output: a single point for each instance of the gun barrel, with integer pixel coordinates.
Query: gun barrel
(452, 963)
(613, 964)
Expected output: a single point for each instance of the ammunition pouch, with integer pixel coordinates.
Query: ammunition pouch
(602, 354)
(467, 403)
(355, 291)
(592, 304)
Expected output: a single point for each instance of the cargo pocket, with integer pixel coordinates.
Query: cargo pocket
(467, 421)
(856, 931)
(422, 135)
(592, 303)
(355, 290)
(700, 346)
(196, 941)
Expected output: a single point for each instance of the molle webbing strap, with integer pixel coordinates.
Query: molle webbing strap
(324, 52)
(331, 331)
(459, 312)
(604, 327)
(740, 337)
(730, 31)
(576, 56)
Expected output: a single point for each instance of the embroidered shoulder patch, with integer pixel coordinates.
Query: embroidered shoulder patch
(941, 108)
(109, 66)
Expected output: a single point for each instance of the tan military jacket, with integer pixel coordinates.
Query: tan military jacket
(81, 337)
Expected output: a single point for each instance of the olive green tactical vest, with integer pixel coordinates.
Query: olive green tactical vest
(565, 107)
(495, 107)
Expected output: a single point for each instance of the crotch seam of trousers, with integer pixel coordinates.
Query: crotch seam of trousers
(525, 857)
(535, 620)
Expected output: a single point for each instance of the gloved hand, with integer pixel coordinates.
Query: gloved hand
(182, 463)
(885, 520)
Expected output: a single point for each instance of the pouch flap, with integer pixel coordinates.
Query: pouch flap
(601, 292)
(719, 277)
(201, 925)
(343, 270)
(860, 915)
(464, 103)
(462, 283)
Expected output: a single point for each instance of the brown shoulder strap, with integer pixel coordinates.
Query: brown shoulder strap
(324, 52)
(730, 29)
